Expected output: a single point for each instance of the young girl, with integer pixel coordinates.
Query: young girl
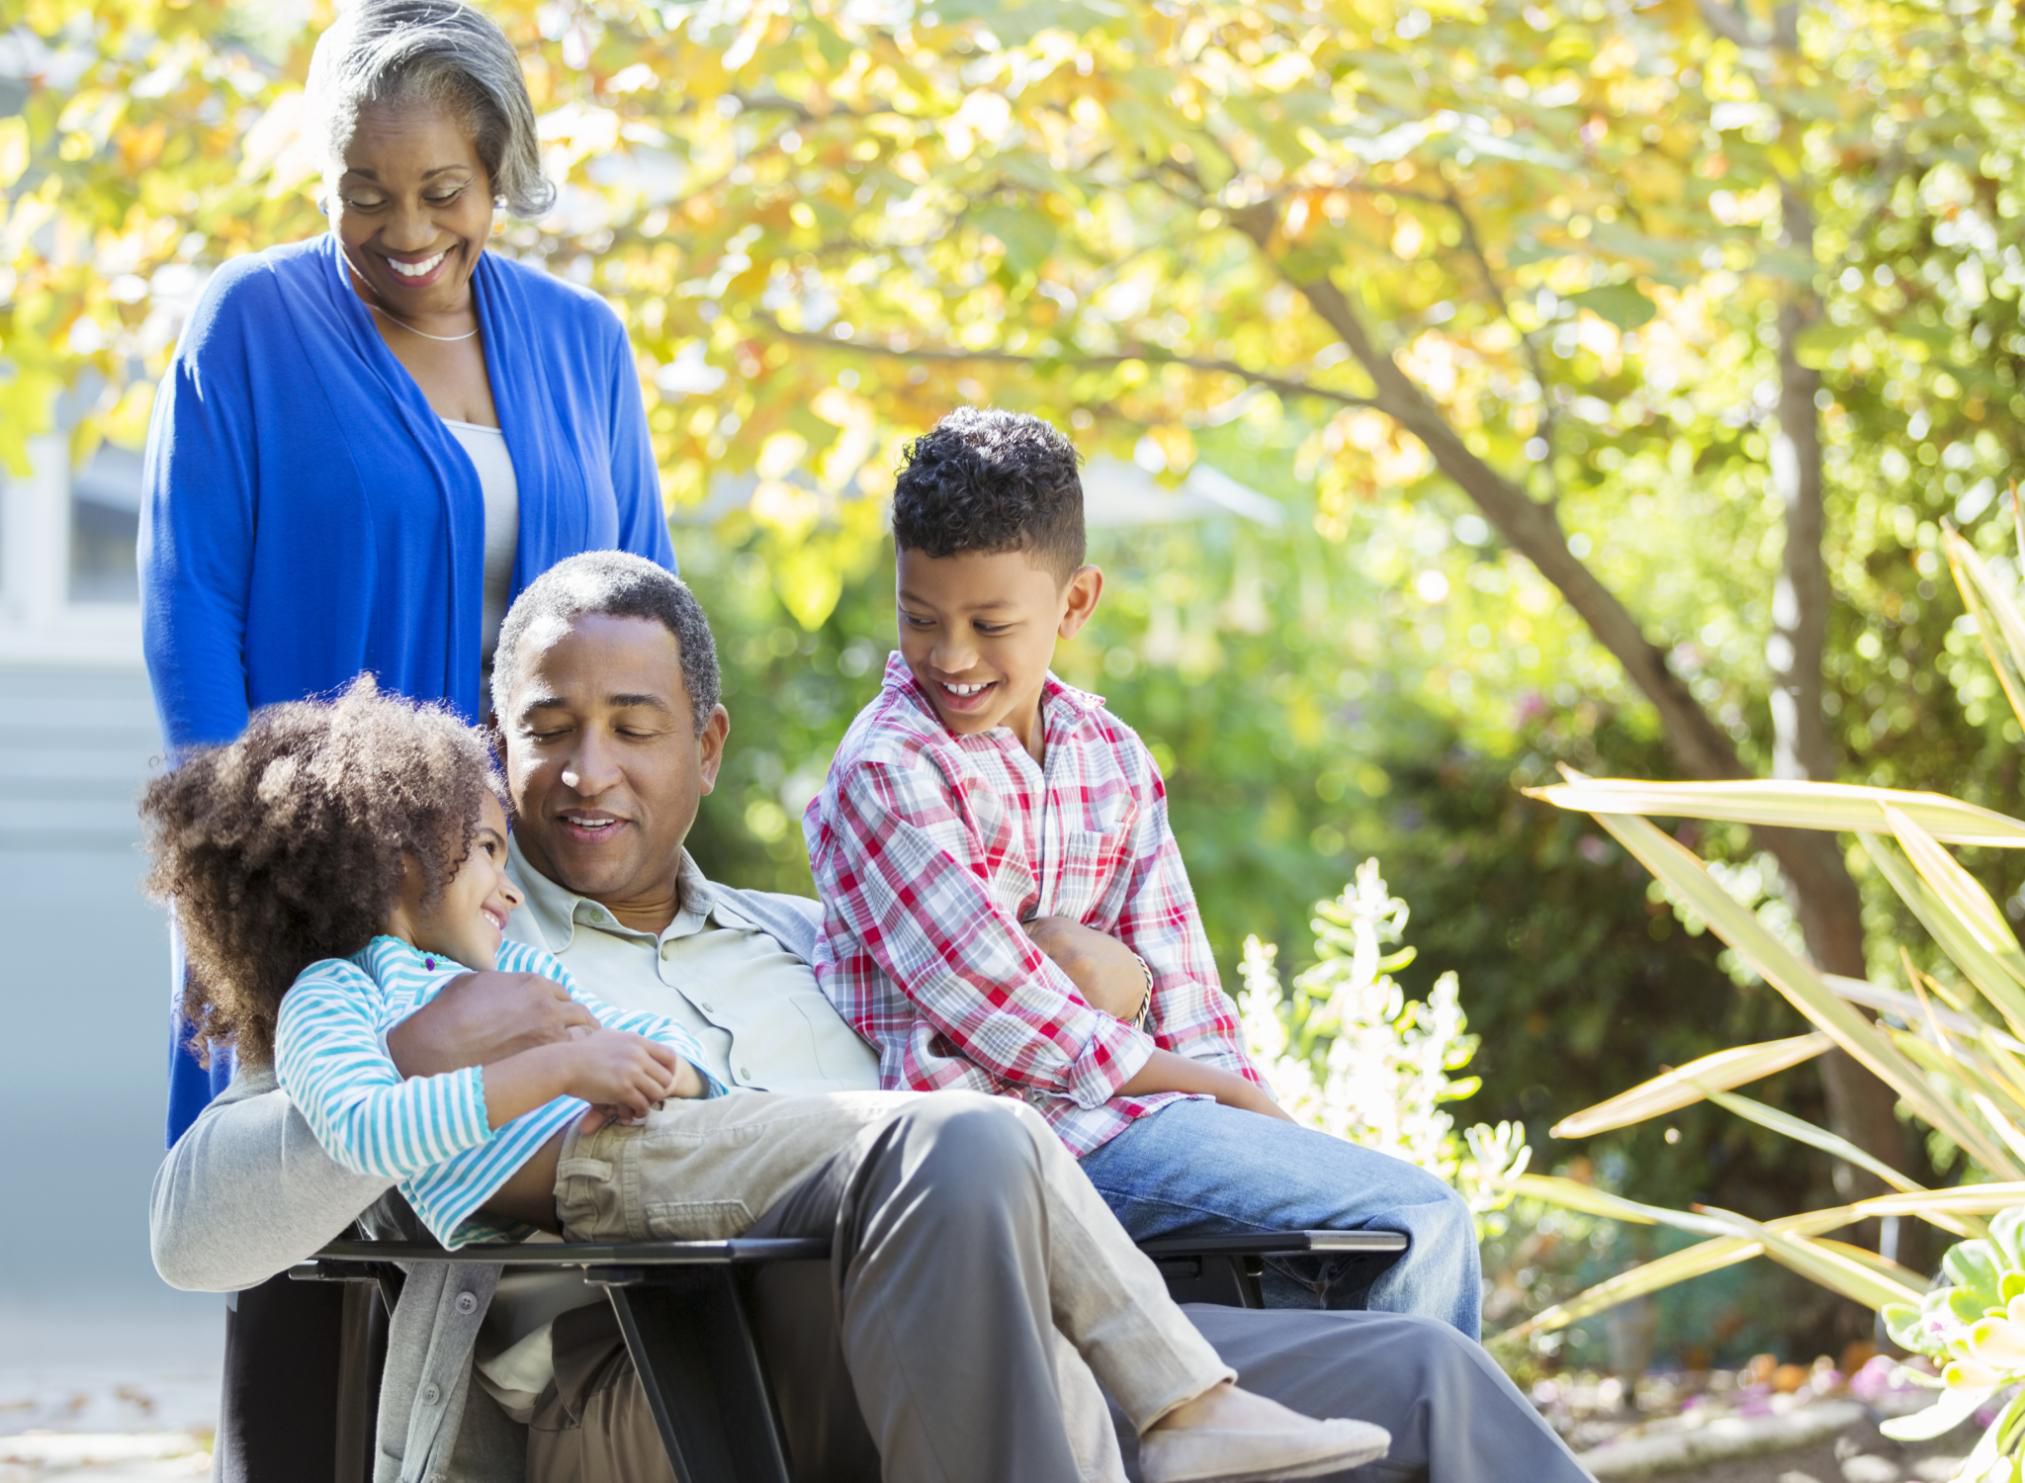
(339, 863)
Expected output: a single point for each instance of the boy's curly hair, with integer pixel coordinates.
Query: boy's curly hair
(292, 844)
(988, 480)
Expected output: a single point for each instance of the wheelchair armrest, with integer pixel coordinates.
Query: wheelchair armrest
(1277, 1243)
(360, 1260)
(1225, 1270)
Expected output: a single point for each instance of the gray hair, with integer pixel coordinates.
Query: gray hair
(611, 584)
(440, 52)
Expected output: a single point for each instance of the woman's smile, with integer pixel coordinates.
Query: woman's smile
(415, 273)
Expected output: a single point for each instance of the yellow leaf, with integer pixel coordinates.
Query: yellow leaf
(127, 423)
(1798, 981)
(13, 150)
(809, 585)
(1831, 1266)
(1837, 806)
(1672, 1090)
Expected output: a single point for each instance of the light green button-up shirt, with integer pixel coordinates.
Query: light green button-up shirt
(753, 1007)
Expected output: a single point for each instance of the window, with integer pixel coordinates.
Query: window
(68, 589)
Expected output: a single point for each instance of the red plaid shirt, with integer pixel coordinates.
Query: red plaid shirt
(929, 849)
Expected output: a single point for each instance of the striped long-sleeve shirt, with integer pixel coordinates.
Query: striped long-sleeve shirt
(429, 1133)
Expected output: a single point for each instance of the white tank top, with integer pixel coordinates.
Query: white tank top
(486, 448)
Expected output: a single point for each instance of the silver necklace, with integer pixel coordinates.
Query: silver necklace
(443, 339)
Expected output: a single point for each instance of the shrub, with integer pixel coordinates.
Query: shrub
(1348, 1052)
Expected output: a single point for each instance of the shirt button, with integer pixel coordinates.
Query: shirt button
(467, 1303)
(745, 1073)
(704, 1005)
(431, 1395)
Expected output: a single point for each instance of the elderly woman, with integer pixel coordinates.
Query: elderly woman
(368, 443)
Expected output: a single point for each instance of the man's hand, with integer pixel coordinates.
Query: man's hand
(1105, 971)
(480, 1018)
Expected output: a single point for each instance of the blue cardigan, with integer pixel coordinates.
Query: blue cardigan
(306, 515)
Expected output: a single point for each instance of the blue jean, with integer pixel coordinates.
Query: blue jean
(1200, 1168)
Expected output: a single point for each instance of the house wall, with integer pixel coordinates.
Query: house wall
(86, 973)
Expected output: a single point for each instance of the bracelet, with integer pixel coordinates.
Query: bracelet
(1146, 999)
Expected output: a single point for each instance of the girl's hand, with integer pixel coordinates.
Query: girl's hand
(689, 1081)
(622, 1073)
(595, 1118)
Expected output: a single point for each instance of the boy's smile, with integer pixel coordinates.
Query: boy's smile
(978, 632)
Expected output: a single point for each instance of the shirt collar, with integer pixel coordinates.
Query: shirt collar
(555, 908)
(1063, 706)
(387, 953)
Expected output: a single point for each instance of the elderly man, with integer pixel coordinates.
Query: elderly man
(606, 688)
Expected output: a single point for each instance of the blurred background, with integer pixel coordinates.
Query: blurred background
(1467, 388)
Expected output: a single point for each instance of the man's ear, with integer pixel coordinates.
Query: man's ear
(711, 745)
(1079, 599)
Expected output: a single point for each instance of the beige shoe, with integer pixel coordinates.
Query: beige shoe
(1304, 1448)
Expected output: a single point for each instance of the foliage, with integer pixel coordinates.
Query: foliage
(1166, 226)
(827, 221)
(1951, 1045)
(1347, 1052)
(1973, 1328)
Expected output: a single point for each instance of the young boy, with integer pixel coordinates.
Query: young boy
(976, 803)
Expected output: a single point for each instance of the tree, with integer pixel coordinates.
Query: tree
(1559, 258)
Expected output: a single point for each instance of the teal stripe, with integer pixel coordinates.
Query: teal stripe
(430, 1133)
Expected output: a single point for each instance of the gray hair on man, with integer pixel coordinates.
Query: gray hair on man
(439, 52)
(611, 584)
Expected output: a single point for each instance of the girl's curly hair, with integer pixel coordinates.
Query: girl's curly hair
(292, 844)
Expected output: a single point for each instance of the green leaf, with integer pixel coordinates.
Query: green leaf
(1821, 346)
(1973, 1267)
(1802, 1131)
(1982, 968)
(1619, 303)
(1027, 234)
(1999, 624)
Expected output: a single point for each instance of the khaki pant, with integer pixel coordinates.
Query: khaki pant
(1453, 1415)
(965, 1236)
(593, 1424)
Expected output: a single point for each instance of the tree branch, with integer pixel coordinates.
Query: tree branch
(1150, 354)
(1731, 24)
(1474, 246)
(1529, 527)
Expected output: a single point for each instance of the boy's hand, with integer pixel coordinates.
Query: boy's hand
(1105, 971)
(1257, 1099)
(479, 1018)
(1165, 1071)
(621, 1073)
